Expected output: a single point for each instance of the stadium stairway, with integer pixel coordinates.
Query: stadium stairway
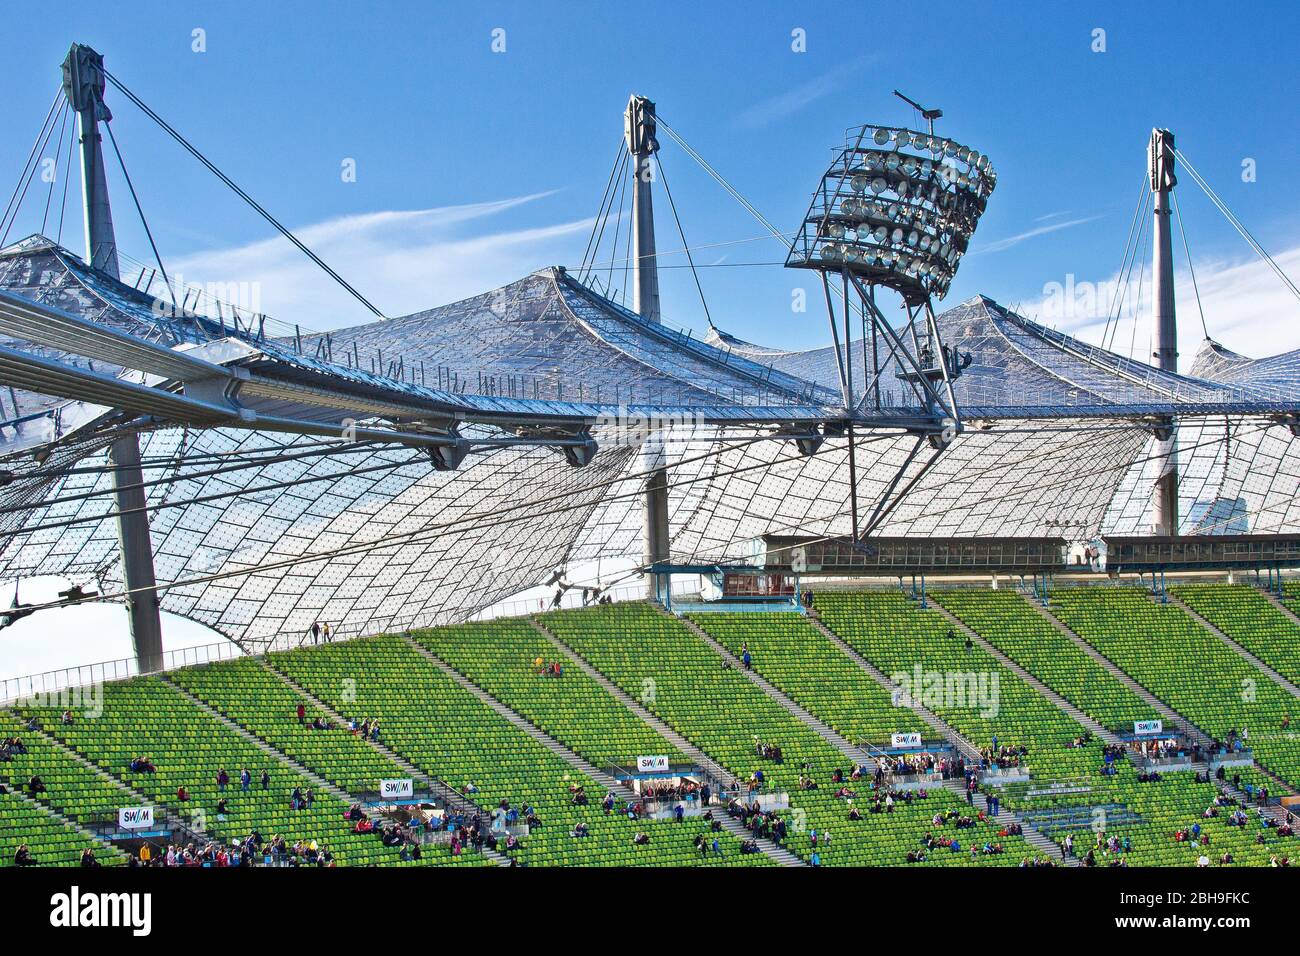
(450, 796)
(25, 820)
(1031, 835)
(1168, 713)
(1281, 605)
(717, 774)
(967, 749)
(438, 724)
(1097, 729)
(1178, 720)
(855, 754)
(572, 758)
(646, 651)
(1233, 645)
(575, 759)
(170, 819)
(317, 781)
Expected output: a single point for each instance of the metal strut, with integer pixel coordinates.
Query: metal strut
(83, 84)
(640, 128)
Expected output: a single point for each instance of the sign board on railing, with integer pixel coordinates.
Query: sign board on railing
(1146, 728)
(396, 789)
(135, 818)
(906, 740)
(651, 764)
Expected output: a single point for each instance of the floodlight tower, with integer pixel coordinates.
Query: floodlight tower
(895, 210)
(640, 130)
(83, 85)
(1160, 163)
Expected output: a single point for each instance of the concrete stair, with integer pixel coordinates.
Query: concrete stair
(1176, 719)
(171, 819)
(451, 798)
(1246, 655)
(1168, 713)
(1098, 730)
(963, 746)
(1280, 605)
(855, 754)
(1033, 836)
(718, 775)
(317, 781)
(575, 760)
(1060, 702)
(97, 842)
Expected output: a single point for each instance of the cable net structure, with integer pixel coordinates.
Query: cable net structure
(256, 533)
(419, 469)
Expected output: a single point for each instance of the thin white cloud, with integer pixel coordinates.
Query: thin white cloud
(784, 104)
(1247, 308)
(1003, 244)
(402, 260)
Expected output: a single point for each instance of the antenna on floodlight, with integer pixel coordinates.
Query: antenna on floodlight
(928, 115)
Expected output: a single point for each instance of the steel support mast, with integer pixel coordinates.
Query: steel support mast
(639, 128)
(83, 84)
(1160, 160)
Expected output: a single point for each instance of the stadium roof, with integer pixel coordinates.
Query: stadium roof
(257, 532)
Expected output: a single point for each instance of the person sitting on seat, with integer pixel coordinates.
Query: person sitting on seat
(88, 857)
(142, 765)
(36, 785)
(66, 718)
(641, 839)
(182, 794)
(24, 857)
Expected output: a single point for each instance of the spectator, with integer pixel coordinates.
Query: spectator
(23, 857)
(245, 780)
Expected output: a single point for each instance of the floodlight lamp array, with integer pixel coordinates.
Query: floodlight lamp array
(896, 208)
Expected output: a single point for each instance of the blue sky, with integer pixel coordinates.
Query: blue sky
(434, 120)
